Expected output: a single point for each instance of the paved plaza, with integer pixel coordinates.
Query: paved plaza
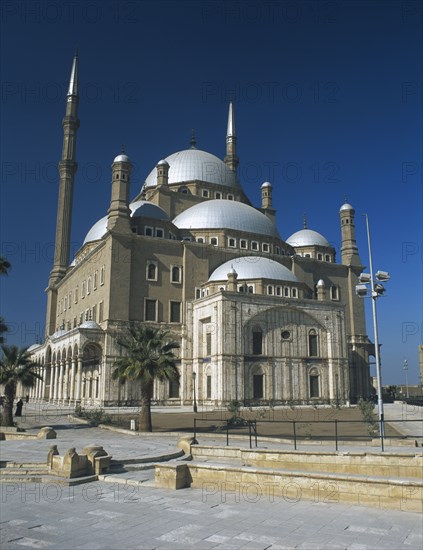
(128, 512)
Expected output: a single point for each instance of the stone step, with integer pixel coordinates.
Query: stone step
(45, 478)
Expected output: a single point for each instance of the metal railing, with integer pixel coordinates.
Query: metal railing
(249, 427)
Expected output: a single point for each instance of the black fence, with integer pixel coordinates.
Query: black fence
(294, 430)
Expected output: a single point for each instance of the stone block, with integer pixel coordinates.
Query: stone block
(172, 476)
(47, 433)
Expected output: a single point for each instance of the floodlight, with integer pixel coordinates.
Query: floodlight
(382, 276)
(379, 289)
(364, 278)
(361, 290)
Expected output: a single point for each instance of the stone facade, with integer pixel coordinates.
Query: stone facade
(258, 318)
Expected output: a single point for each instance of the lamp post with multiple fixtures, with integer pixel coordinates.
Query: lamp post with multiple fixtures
(405, 367)
(377, 290)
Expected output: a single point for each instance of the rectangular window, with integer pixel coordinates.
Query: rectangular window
(254, 245)
(320, 257)
(70, 300)
(159, 233)
(257, 343)
(231, 242)
(265, 247)
(294, 293)
(94, 313)
(208, 344)
(218, 195)
(200, 239)
(102, 275)
(208, 387)
(83, 289)
(197, 293)
(243, 244)
(205, 193)
(334, 293)
(214, 241)
(230, 197)
(148, 231)
(151, 310)
(327, 258)
(173, 388)
(175, 312)
(151, 272)
(100, 312)
(312, 345)
(314, 386)
(286, 292)
(76, 295)
(95, 280)
(278, 291)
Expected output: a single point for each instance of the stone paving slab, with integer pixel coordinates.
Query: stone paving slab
(105, 516)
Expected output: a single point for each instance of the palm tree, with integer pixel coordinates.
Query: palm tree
(16, 366)
(3, 328)
(5, 265)
(149, 356)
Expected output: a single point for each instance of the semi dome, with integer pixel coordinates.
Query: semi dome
(307, 237)
(138, 209)
(253, 267)
(224, 214)
(194, 164)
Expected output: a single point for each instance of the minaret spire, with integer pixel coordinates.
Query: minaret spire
(193, 140)
(67, 170)
(304, 221)
(231, 159)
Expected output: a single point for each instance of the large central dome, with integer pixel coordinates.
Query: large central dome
(194, 164)
(224, 214)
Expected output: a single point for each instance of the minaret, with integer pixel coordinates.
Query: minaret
(231, 159)
(119, 214)
(162, 173)
(67, 170)
(349, 250)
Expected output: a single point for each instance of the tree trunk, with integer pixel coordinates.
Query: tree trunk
(9, 398)
(145, 415)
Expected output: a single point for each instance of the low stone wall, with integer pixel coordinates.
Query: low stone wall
(253, 484)
(394, 465)
(44, 433)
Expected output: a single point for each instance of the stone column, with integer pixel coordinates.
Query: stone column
(43, 382)
(79, 379)
(54, 370)
(60, 384)
(72, 380)
(66, 381)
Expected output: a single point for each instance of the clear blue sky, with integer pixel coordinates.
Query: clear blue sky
(327, 100)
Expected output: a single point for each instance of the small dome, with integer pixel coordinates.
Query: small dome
(266, 184)
(346, 206)
(34, 346)
(58, 334)
(307, 237)
(253, 267)
(163, 162)
(138, 209)
(194, 164)
(90, 325)
(320, 282)
(122, 158)
(225, 214)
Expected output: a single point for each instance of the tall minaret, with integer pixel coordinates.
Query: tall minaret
(349, 249)
(231, 159)
(67, 170)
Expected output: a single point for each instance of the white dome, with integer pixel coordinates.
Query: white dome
(138, 209)
(224, 214)
(320, 282)
(58, 334)
(266, 184)
(194, 164)
(307, 237)
(253, 267)
(346, 206)
(122, 158)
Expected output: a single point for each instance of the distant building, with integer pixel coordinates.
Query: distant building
(258, 317)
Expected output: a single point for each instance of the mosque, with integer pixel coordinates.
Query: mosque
(259, 318)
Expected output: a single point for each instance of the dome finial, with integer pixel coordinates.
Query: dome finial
(304, 220)
(123, 149)
(193, 141)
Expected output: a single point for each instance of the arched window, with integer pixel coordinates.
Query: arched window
(151, 271)
(314, 383)
(176, 274)
(312, 344)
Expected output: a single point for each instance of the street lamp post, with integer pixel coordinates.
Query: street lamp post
(194, 374)
(405, 367)
(377, 290)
